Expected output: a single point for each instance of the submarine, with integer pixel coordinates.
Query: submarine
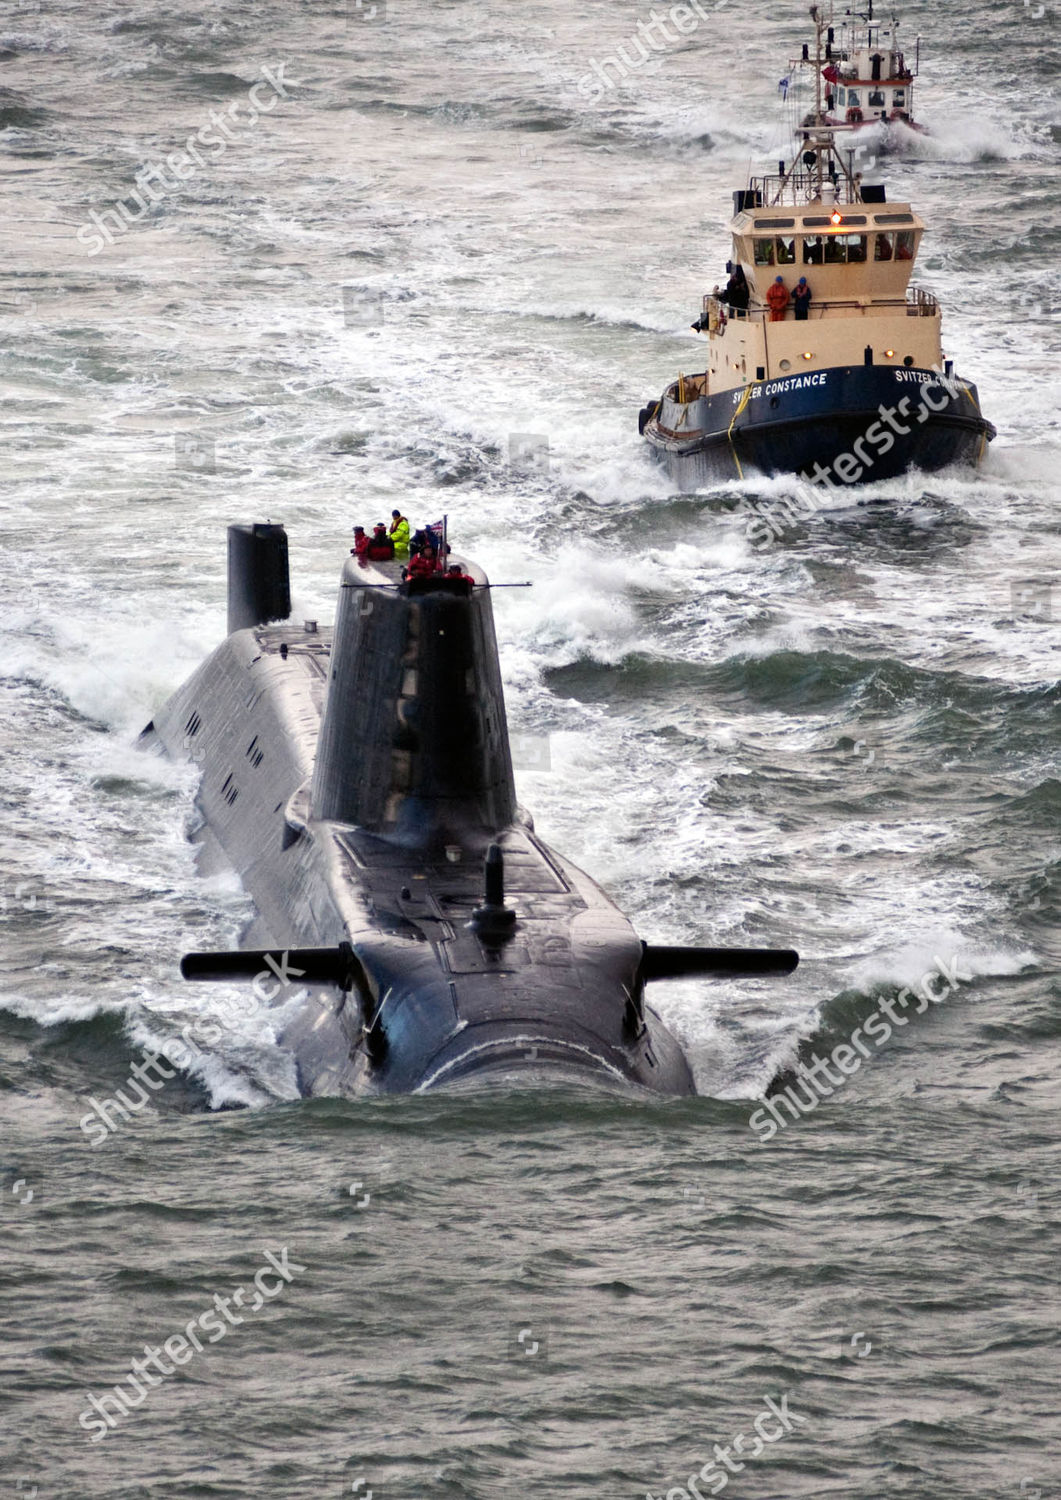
(359, 782)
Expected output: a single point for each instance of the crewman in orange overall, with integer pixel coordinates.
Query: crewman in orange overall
(777, 298)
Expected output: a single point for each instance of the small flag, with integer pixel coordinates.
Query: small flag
(783, 86)
(437, 532)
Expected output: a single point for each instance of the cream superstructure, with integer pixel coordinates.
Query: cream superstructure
(858, 259)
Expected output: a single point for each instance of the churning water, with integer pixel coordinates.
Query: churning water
(435, 271)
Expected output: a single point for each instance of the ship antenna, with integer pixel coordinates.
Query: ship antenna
(818, 100)
(818, 71)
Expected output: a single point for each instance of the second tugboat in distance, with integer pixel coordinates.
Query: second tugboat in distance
(823, 359)
(870, 83)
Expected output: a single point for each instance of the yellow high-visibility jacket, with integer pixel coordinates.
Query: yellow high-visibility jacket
(399, 535)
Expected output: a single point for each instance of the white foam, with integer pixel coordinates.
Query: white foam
(910, 963)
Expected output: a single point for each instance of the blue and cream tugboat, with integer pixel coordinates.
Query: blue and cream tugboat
(824, 359)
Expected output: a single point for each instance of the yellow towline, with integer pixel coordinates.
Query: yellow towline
(729, 430)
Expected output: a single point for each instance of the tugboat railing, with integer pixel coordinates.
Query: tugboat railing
(917, 303)
(920, 302)
(799, 186)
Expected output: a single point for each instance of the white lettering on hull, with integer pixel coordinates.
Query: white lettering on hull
(782, 387)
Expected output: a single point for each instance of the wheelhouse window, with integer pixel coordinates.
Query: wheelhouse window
(884, 247)
(854, 97)
(904, 249)
(775, 250)
(876, 98)
(812, 249)
(844, 249)
(899, 98)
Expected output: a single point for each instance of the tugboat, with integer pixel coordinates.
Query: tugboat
(869, 81)
(823, 359)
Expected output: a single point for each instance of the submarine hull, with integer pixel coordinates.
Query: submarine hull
(356, 781)
(845, 426)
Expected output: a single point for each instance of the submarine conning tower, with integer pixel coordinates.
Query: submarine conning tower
(414, 743)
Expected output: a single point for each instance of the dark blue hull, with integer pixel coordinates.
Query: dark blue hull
(849, 425)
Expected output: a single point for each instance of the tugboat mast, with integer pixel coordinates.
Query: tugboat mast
(814, 174)
(819, 115)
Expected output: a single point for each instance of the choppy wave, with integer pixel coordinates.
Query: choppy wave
(844, 742)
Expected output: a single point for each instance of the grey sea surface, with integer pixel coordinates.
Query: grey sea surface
(437, 268)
